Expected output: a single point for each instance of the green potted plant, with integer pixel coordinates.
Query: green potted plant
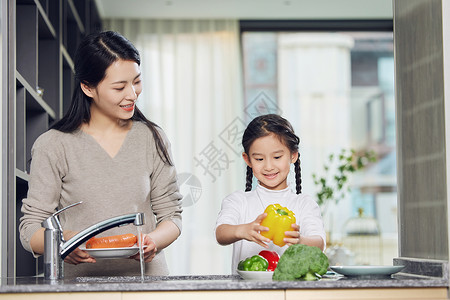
(333, 184)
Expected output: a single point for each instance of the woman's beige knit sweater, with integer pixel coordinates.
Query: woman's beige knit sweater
(70, 167)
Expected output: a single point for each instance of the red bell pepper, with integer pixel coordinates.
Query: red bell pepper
(272, 257)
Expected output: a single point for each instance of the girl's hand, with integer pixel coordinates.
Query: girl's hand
(77, 256)
(149, 251)
(293, 236)
(251, 231)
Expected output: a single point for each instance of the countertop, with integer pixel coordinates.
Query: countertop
(416, 274)
(207, 282)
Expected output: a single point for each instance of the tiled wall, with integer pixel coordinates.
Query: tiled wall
(420, 120)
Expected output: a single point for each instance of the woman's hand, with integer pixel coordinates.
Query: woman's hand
(251, 231)
(293, 237)
(77, 256)
(149, 250)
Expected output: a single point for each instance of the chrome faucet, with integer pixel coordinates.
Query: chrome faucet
(56, 248)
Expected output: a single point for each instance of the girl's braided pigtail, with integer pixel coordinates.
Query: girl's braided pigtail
(248, 184)
(298, 176)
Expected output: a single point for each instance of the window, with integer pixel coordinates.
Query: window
(337, 90)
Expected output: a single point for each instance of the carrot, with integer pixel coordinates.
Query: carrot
(115, 241)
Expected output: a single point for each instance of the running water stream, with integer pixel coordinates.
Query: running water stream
(141, 251)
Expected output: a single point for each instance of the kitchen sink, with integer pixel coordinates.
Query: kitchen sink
(139, 279)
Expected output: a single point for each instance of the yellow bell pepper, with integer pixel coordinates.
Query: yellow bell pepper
(279, 219)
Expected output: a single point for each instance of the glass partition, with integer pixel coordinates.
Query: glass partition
(337, 89)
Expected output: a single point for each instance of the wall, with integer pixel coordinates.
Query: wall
(421, 134)
(446, 54)
(3, 95)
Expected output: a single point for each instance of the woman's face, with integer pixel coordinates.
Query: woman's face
(115, 96)
(270, 161)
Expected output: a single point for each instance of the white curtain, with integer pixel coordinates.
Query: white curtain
(193, 89)
(314, 85)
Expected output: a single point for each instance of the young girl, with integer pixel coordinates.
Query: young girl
(270, 146)
(106, 153)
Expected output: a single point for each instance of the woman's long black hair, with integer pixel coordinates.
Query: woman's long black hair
(94, 55)
(272, 124)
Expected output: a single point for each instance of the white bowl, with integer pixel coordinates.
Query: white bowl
(256, 275)
(112, 252)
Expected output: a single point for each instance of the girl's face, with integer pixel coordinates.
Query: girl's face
(270, 161)
(115, 96)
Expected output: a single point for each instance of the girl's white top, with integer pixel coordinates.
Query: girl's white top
(243, 207)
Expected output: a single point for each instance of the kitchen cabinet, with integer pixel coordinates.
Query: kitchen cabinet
(373, 293)
(415, 285)
(42, 40)
(308, 294)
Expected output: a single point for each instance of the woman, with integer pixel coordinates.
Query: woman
(105, 153)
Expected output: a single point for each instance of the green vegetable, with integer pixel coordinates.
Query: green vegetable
(254, 263)
(301, 262)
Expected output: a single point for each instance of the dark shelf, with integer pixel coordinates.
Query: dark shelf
(22, 177)
(73, 29)
(46, 33)
(49, 73)
(36, 102)
(20, 128)
(45, 26)
(27, 42)
(68, 81)
(25, 2)
(27, 265)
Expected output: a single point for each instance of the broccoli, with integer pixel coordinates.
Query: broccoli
(301, 262)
